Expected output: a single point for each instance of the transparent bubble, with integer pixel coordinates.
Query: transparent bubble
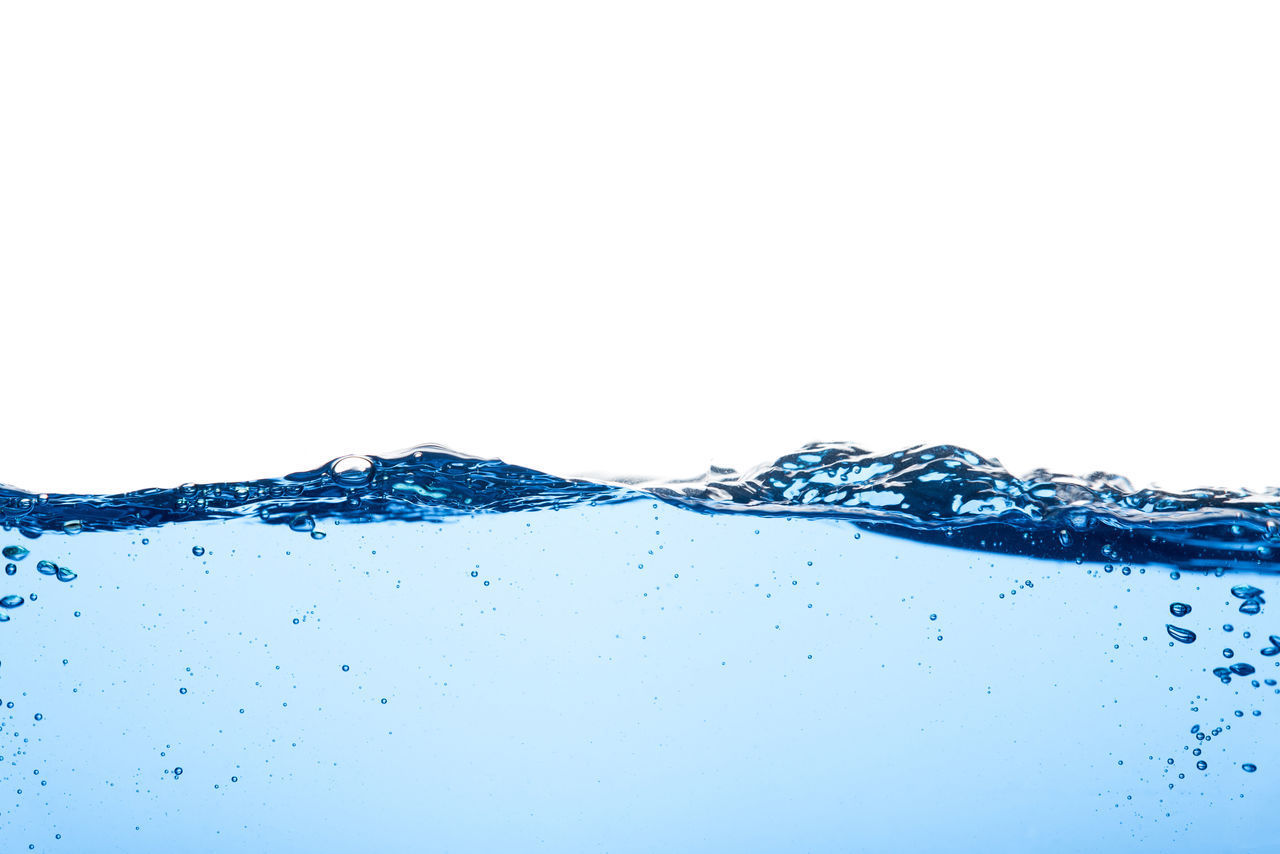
(198, 551)
(10, 569)
(302, 523)
(1179, 609)
(15, 552)
(352, 470)
(13, 600)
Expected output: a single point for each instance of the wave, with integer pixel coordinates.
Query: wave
(937, 493)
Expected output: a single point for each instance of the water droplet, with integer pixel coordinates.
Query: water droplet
(15, 552)
(1180, 634)
(13, 600)
(198, 551)
(1179, 609)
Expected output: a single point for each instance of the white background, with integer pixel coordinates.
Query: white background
(238, 239)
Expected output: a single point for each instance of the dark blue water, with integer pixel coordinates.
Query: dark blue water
(839, 651)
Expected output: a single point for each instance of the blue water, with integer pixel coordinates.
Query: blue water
(839, 651)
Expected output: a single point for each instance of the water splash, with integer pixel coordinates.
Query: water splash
(940, 493)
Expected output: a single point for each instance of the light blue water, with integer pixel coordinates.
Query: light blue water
(475, 657)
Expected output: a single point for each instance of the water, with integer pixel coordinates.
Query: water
(837, 652)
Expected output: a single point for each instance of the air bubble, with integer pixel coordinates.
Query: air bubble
(1180, 634)
(352, 470)
(15, 552)
(1179, 609)
(13, 600)
(198, 551)
(302, 523)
